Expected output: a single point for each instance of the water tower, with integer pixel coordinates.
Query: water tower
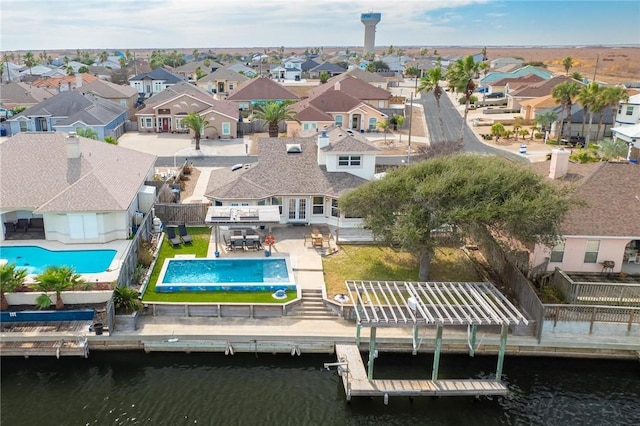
(370, 20)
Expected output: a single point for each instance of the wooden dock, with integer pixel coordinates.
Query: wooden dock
(57, 348)
(356, 383)
(79, 326)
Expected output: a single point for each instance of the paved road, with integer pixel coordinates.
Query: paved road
(452, 122)
(208, 161)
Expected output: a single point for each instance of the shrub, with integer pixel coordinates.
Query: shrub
(585, 156)
(138, 273)
(126, 300)
(538, 135)
(145, 257)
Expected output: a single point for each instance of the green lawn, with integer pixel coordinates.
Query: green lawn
(376, 263)
(201, 236)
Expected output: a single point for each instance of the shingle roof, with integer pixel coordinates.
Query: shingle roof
(529, 78)
(108, 90)
(224, 74)
(307, 112)
(353, 86)
(329, 67)
(334, 101)
(542, 88)
(37, 175)
(341, 141)
(610, 193)
(73, 106)
(18, 93)
(280, 174)
(159, 74)
(357, 72)
(261, 88)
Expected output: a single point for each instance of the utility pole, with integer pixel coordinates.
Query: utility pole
(595, 70)
(410, 120)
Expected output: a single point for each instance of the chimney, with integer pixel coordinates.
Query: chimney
(78, 80)
(323, 142)
(559, 163)
(336, 86)
(73, 145)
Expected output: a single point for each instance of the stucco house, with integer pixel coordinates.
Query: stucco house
(221, 82)
(328, 67)
(353, 86)
(155, 81)
(76, 190)
(605, 227)
(535, 90)
(67, 111)
(629, 111)
(125, 96)
(165, 111)
(305, 177)
(631, 136)
(259, 91)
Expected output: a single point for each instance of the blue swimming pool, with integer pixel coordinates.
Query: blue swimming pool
(225, 275)
(36, 259)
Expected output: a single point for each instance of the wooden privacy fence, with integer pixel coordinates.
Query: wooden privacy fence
(192, 214)
(592, 314)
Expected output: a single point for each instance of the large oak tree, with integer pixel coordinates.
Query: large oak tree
(458, 191)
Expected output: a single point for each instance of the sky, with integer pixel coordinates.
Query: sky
(166, 24)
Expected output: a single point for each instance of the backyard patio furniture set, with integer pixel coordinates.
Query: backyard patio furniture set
(243, 240)
(181, 237)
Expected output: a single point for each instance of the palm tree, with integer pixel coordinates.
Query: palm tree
(460, 75)
(197, 123)
(588, 97)
(11, 278)
(30, 60)
(273, 113)
(567, 63)
(103, 56)
(497, 130)
(384, 125)
(545, 120)
(58, 279)
(564, 94)
(611, 97)
(87, 132)
(431, 83)
(126, 300)
(576, 76)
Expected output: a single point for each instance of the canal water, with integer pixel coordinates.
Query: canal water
(130, 388)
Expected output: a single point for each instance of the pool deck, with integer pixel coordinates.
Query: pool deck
(111, 274)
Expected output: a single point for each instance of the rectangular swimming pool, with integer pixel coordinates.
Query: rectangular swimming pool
(256, 274)
(36, 259)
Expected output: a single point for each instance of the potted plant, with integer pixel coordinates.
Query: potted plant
(128, 305)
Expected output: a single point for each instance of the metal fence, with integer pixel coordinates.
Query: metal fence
(130, 259)
(612, 294)
(240, 310)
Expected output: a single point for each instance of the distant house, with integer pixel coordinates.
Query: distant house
(259, 91)
(65, 83)
(125, 96)
(374, 96)
(507, 85)
(290, 69)
(328, 67)
(499, 63)
(629, 111)
(153, 82)
(242, 69)
(376, 80)
(221, 81)
(67, 111)
(84, 191)
(535, 90)
(631, 136)
(189, 70)
(605, 227)
(18, 94)
(520, 72)
(325, 166)
(165, 111)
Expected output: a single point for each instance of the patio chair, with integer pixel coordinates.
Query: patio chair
(10, 227)
(633, 258)
(182, 230)
(23, 224)
(227, 243)
(171, 233)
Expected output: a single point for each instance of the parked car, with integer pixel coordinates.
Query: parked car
(495, 95)
(577, 141)
(5, 113)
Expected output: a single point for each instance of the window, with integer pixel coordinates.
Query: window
(339, 119)
(147, 122)
(591, 251)
(226, 128)
(230, 86)
(557, 252)
(243, 106)
(373, 123)
(349, 160)
(277, 201)
(335, 212)
(307, 126)
(179, 125)
(23, 126)
(381, 104)
(123, 102)
(318, 205)
(629, 109)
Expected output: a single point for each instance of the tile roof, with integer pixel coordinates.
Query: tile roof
(56, 82)
(73, 106)
(353, 86)
(611, 196)
(280, 174)
(261, 88)
(37, 175)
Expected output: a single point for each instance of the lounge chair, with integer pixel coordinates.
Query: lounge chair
(36, 224)
(182, 230)
(171, 233)
(23, 224)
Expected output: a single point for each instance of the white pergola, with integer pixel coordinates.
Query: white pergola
(414, 304)
(238, 216)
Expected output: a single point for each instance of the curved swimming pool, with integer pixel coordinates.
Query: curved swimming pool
(36, 259)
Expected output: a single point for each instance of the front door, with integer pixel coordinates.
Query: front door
(165, 124)
(297, 209)
(355, 121)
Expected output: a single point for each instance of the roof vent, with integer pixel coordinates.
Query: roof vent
(293, 148)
